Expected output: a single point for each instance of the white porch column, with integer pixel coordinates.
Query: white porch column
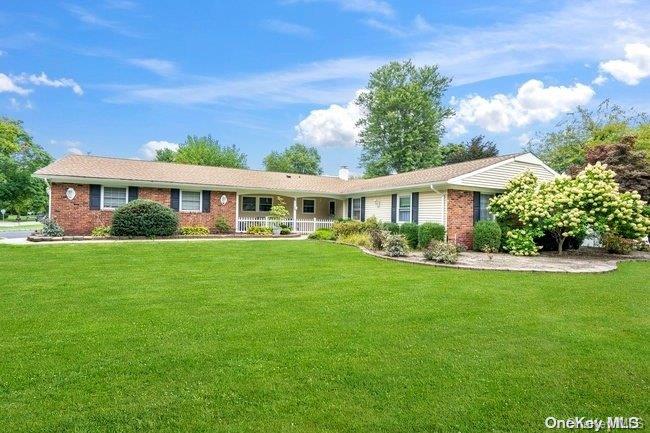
(295, 212)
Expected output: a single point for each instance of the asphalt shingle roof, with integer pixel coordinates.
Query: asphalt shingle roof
(96, 167)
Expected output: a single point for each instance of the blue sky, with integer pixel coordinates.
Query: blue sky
(123, 77)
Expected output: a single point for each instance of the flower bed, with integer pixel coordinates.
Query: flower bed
(40, 238)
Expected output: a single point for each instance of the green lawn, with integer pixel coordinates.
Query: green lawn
(303, 336)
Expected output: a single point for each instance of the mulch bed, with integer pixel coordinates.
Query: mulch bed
(39, 238)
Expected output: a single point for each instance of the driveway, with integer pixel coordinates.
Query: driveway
(15, 235)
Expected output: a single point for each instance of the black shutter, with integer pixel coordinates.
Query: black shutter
(133, 193)
(415, 205)
(95, 196)
(206, 201)
(363, 208)
(349, 208)
(175, 199)
(477, 206)
(393, 208)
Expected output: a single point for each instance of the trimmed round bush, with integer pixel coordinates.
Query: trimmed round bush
(430, 231)
(144, 218)
(487, 236)
(392, 228)
(410, 232)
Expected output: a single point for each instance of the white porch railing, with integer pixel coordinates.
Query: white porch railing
(300, 226)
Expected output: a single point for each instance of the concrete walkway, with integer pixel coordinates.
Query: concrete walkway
(505, 262)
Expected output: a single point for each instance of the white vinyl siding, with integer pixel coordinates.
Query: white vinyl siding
(378, 207)
(113, 197)
(190, 201)
(431, 209)
(497, 177)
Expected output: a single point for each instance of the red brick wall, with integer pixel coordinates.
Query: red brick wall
(76, 217)
(460, 216)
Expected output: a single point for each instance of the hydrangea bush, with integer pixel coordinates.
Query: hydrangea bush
(567, 207)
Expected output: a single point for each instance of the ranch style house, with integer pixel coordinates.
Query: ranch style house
(84, 191)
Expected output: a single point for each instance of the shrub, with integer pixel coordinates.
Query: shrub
(371, 224)
(548, 242)
(144, 218)
(101, 231)
(395, 245)
(358, 239)
(392, 228)
(259, 230)
(347, 227)
(487, 235)
(221, 225)
(285, 231)
(377, 238)
(323, 235)
(410, 232)
(616, 244)
(430, 231)
(441, 252)
(51, 228)
(194, 231)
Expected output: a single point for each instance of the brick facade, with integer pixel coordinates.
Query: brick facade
(76, 217)
(460, 216)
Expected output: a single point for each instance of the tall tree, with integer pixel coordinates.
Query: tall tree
(567, 145)
(204, 151)
(631, 166)
(297, 158)
(20, 192)
(476, 148)
(401, 125)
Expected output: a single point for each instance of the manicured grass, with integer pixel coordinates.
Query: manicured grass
(304, 336)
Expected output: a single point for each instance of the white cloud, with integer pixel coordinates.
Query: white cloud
(157, 66)
(287, 28)
(7, 85)
(149, 149)
(533, 103)
(576, 33)
(44, 80)
(418, 26)
(363, 6)
(72, 146)
(91, 19)
(523, 139)
(634, 68)
(19, 105)
(334, 126)
(599, 80)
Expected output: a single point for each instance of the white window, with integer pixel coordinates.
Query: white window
(191, 201)
(308, 205)
(249, 204)
(356, 208)
(113, 197)
(265, 204)
(485, 213)
(404, 211)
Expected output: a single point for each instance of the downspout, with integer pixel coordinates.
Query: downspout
(49, 199)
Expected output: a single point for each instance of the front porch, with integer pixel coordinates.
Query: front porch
(306, 214)
(297, 225)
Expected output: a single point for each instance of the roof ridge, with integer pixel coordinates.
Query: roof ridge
(259, 170)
